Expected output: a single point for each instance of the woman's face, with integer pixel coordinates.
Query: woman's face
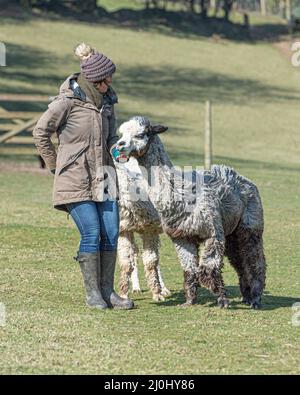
(104, 85)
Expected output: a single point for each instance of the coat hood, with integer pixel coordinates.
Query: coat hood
(67, 90)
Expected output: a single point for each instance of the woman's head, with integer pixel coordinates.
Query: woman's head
(95, 66)
(102, 86)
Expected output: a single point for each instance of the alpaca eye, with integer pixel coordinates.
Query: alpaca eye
(140, 136)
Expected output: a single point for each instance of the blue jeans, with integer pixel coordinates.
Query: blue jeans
(98, 224)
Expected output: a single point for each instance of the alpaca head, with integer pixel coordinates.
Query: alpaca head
(137, 134)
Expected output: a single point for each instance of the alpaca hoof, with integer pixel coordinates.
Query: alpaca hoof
(158, 298)
(223, 303)
(246, 301)
(136, 291)
(255, 305)
(165, 292)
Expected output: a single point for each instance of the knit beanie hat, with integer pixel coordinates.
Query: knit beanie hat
(94, 65)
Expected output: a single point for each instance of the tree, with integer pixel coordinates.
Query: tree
(227, 7)
(204, 7)
(191, 4)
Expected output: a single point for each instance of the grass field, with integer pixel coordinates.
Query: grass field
(255, 96)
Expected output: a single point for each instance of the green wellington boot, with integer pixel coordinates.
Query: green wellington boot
(106, 279)
(89, 267)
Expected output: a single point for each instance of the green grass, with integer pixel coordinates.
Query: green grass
(113, 5)
(255, 96)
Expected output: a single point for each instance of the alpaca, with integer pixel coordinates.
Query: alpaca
(135, 282)
(219, 208)
(138, 217)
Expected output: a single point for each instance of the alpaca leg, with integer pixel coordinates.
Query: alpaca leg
(164, 289)
(188, 257)
(135, 278)
(254, 264)
(250, 245)
(126, 251)
(211, 265)
(151, 260)
(236, 260)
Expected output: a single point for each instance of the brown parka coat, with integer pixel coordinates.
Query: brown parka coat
(86, 136)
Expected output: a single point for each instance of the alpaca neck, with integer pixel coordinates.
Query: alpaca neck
(163, 181)
(155, 155)
(156, 166)
(174, 200)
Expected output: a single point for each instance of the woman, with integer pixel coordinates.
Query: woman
(83, 117)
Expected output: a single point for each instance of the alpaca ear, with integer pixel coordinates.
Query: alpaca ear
(156, 129)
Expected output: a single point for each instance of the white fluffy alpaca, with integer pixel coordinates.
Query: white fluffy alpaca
(140, 217)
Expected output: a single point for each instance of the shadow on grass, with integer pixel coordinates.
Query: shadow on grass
(174, 23)
(269, 302)
(255, 164)
(164, 83)
(19, 157)
(189, 25)
(177, 24)
(183, 157)
(187, 84)
(178, 156)
(23, 106)
(25, 65)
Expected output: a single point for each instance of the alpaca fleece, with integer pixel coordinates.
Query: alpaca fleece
(218, 209)
(138, 216)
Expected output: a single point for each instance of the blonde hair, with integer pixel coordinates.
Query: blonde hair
(83, 51)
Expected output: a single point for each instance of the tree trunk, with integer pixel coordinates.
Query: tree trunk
(282, 8)
(192, 6)
(263, 7)
(288, 11)
(203, 7)
(91, 5)
(246, 20)
(227, 8)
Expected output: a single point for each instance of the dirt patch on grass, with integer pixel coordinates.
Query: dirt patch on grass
(284, 47)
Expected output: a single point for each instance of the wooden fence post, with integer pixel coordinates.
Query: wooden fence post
(208, 137)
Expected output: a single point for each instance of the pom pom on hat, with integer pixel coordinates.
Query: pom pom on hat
(94, 65)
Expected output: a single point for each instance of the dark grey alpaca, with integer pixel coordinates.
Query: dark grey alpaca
(225, 215)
